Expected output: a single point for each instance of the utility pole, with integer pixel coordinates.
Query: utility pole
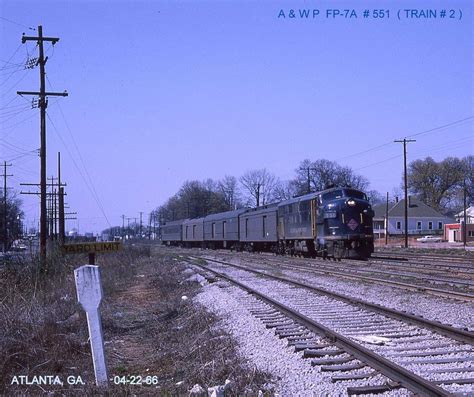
(149, 226)
(52, 219)
(123, 226)
(42, 104)
(308, 169)
(61, 204)
(141, 224)
(5, 206)
(386, 222)
(405, 141)
(464, 233)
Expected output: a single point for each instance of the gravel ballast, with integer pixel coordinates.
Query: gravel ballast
(293, 375)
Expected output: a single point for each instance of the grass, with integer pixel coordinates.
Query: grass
(149, 330)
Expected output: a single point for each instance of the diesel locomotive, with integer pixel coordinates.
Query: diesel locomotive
(335, 222)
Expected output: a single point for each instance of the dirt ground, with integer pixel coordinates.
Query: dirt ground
(151, 335)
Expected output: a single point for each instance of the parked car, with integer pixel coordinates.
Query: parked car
(429, 239)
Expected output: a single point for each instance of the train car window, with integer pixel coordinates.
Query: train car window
(246, 227)
(213, 231)
(355, 194)
(264, 219)
(194, 231)
(335, 194)
(186, 231)
(223, 229)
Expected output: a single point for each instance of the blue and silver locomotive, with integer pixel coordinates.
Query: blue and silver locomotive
(335, 222)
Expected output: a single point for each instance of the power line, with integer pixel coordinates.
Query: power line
(96, 198)
(457, 122)
(441, 127)
(14, 53)
(17, 23)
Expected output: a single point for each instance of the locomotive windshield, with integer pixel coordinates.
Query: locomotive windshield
(335, 194)
(355, 194)
(339, 193)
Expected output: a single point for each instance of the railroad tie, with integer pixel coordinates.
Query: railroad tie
(331, 361)
(461, 381)
(350, 377)
(447, 360)
(308, 353)
(310, 345)
(342, 368)
(352, 391)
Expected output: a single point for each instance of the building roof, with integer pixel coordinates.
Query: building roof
(469, 212)
(416, 209)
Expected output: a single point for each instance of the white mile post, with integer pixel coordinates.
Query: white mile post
(89, 295)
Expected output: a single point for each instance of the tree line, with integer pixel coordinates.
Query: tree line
(13, 218)
(438, 184)
(256, 188)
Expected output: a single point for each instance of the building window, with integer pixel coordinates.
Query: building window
(471, 233)
(399, 225)
(430, 225)
(440, 225)
(418, 225)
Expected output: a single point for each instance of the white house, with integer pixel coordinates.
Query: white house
(459, 217)
(422, 219)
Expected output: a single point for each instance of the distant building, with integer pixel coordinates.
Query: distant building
(454, 232)
(422, 219)
(459, 217)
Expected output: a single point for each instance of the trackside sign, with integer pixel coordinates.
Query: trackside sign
(85, 248)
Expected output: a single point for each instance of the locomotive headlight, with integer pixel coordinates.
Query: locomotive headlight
(351, 202)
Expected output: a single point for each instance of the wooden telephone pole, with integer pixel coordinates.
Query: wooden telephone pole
(405, 141)
(42, 104)
(5, 206)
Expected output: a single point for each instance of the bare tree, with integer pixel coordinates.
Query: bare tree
(284, 190)
(228, 186)
(259, 185)
(325, 172)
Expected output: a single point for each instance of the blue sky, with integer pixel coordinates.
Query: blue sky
(163, 92)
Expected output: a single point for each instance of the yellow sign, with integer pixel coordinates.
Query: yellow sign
(84, 248)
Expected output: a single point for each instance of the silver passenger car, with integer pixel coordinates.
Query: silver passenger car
(222, 230)
(193, 232)
(171, 232)
(259, 225)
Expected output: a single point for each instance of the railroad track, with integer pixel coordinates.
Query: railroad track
(422, 256)
(334, 269)
(412, 353)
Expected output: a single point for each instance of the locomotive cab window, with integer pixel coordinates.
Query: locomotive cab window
(355, 194)
(335, 194)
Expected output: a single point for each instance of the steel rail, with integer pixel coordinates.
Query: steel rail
(461, 296)
(391, 370)
(442, 329)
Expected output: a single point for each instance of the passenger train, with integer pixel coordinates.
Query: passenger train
(335, 222)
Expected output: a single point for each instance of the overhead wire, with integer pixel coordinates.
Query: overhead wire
(80, 154)
(91, 190)
(459, 122)
(17, 23)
